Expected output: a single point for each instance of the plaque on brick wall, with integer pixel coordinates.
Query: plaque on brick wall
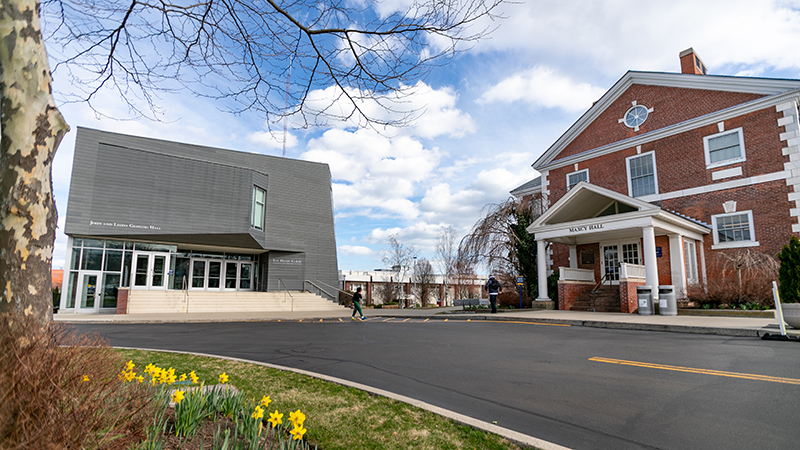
(587, 257)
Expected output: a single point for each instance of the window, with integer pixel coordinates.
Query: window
(259, 204)
(642, 175)
(733, 230)
(724, 148)
(690, 254)
(576, 177)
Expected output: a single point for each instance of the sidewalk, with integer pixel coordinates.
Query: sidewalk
(717, 325)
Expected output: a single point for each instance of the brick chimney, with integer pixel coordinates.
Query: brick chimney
(691, 63)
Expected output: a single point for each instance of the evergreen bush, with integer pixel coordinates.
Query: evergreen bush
(789, 272)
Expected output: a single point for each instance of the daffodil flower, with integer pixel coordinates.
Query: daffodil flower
(129, 365)
(140, 379)
(297, 418)
(275, 418)
(297, 432)
(85, 378)
(177, 396)
(149, 368)
(258, 413)
(194, 377)
(265, 401)
(223, 378)
(182, 377)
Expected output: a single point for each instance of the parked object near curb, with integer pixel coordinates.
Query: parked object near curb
(644, 295)
(667, 304)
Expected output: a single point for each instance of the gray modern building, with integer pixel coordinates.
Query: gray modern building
(158, 226)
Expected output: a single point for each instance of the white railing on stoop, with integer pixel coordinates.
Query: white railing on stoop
(570, 274)
(632, 271)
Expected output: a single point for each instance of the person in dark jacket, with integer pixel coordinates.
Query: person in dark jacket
(494, 288)
(357, 305)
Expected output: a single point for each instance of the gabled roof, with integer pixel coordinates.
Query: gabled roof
(535, 185)
(765, 86)
(586, 201)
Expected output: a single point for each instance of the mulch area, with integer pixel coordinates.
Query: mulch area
(205, 434)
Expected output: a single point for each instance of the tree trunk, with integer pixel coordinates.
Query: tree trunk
(32, 128)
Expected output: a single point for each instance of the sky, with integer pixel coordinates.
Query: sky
(489, 113)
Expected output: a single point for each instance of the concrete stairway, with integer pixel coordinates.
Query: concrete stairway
(605, 299)
(205, 301)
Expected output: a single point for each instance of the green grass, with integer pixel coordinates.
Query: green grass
(338, 417)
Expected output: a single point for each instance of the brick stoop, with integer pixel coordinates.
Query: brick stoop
(604, 299)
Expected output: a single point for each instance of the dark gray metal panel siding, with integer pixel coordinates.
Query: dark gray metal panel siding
(286, 270)
(205, 191)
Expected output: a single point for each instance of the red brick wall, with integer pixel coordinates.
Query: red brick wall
(122, 301)
(670, 106)
(628, 300)
(569, 291)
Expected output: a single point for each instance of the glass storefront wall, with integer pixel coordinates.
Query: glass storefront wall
(98, 268)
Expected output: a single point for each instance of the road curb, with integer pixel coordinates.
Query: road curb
(718, 331)
(513, 436)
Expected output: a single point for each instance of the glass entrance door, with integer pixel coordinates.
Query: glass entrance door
(89, 292)
(150, 270)
(611, 262)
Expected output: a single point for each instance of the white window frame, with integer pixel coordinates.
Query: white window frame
(690, 261)
(737, 244)
(628, 170)
(569, 185)
(254, 221)
(741, 158)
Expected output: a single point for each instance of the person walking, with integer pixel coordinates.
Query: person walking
(494, 288)
(357, 305)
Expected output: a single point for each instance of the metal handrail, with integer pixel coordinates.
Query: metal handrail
(280, 282)
(325, 292)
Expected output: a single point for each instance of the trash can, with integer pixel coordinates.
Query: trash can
(645, 296)
(667, 304)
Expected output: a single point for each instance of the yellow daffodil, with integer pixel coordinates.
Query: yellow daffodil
(177, 396)
(85, 378)
(275, 418)
(153, 381)
(265, 401)
(297, 432)
(129, 365)
(297, 418)
(182, 377)
(130, 376)
(194, 377)
(258, 413)
(140, 379)
(149, 368)
(223, 378)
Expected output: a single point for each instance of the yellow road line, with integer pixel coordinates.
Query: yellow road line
(407, 320)
(530, 323)
(340, 319)
(426, 320)
(719, 373)
(446, 320)
(390, 318)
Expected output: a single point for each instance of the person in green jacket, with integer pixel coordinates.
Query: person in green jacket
(357, 305)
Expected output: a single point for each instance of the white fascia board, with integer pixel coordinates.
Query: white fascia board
(681, 226)
(709, 119)
(611, 223)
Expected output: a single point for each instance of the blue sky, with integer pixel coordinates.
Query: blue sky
(489, 113)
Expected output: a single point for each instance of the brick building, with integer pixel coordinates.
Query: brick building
(663, 175)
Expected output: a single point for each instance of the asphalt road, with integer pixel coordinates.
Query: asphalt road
(584, 388)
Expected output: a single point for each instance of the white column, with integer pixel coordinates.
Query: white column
(573, 256)
(677, 265)
(702, 264)
(541, 269)
(650, 260)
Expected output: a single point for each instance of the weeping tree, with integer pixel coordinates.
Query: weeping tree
(312, 61)
(500, 242)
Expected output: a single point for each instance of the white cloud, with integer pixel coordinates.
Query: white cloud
(273, 140)
(609, 38)
(424, 112)
(543, 86)
(357, 250)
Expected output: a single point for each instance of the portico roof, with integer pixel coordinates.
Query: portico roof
(590, 213)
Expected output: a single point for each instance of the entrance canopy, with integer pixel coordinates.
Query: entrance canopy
(590, 213)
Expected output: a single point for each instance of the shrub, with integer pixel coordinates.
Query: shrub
(789, 272)
(510, 298)
(61, 390)
(743, 278)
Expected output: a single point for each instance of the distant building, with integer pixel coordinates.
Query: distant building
(158, 226)
(664, 175)
(382, 286)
